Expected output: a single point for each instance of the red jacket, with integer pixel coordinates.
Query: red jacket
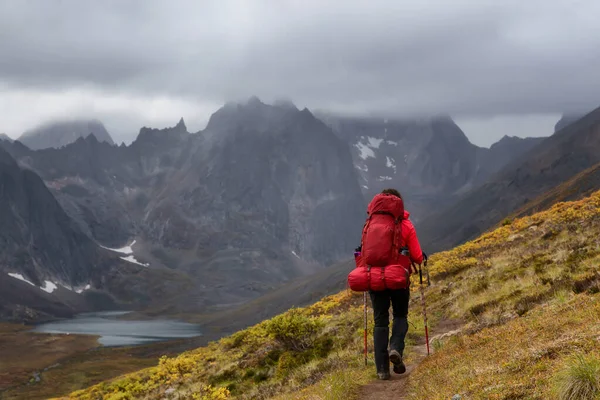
(410, 240)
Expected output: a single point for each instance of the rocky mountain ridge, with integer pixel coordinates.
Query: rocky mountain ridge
(262, 195)
(552, 162)
(60, 133)
(430, 159)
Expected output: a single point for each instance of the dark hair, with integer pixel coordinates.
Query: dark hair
(393, 192)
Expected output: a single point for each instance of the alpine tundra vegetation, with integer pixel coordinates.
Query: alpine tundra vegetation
(524, 299)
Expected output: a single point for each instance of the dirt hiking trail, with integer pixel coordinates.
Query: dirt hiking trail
(395, 388)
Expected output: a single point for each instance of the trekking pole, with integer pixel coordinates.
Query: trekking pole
(424, 309)
(365, 313)
(427, 271)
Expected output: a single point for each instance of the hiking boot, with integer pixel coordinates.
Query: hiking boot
(396, 359)
(382, 359)
(399, 368)
(383, 376)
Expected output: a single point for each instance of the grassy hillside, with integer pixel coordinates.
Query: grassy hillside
(528, 293)
(526, 298)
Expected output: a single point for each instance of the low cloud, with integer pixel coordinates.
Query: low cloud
(147, 58)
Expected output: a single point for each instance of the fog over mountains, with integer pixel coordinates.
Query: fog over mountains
(430, 159)
(60, 133)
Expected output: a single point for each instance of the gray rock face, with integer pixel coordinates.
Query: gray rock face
(4, 136)
(264, 177)
(566, 120)
(37, 238)
(61, 133)
(507, 150)
(262, 195)
(430, 161)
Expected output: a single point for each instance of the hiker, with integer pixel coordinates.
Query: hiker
(389, 246)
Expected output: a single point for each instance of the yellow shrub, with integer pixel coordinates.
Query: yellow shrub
(294, 330)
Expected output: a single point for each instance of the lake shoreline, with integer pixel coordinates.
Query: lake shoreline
(116, 332)
(37, 365)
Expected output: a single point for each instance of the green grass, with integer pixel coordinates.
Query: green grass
(579, 378)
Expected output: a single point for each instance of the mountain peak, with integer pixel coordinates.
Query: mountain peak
(61, 133)
(254, 101)
(91, 138)
(4, 136)
(505, 139)
(154, 135)
(181, 125)
(285, 104)
(253, 114)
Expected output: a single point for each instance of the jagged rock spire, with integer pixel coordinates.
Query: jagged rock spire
(181, 124)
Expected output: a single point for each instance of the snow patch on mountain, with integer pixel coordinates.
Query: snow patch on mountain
(132, 260)
(384, 178)
(87, 287)
(78, 290)
(20, 277)
(362, 168)
(366, 148)
(125, 250)
(390, 163)
(49, 287)
(374, 142)
(391, 143)
(364, 151)
(128, 250)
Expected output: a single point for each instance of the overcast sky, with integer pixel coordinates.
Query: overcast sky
(498, 67)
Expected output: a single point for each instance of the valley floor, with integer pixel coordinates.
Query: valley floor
(40, 366)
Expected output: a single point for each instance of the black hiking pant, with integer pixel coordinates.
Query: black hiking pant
(381, 305)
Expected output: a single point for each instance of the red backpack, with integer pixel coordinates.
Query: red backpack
(379, 264)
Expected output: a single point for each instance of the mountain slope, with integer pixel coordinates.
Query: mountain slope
(504, 151)
(20, 301)
(581, 185)
(267, 194)
(295, 293)
(430, 161)
(37, 238)
(263, 195)
(61, 133)
(50, 268)
(566, 120)
(553, 161)
(4, 136)
(277, 174)
(506, 288)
